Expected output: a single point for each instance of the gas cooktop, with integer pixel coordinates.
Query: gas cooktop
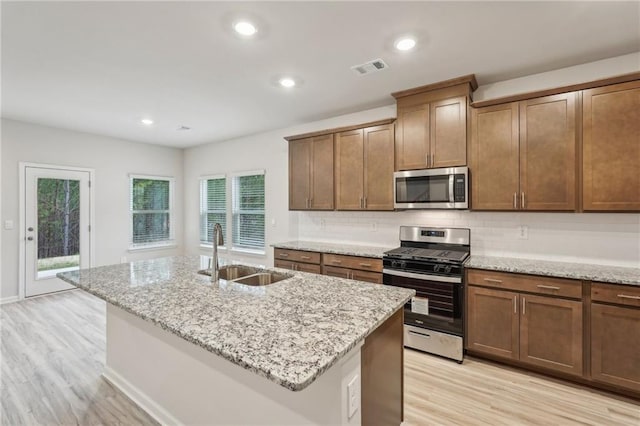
(418, 253)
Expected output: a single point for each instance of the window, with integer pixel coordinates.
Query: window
(213, 207)
(248, 211)
(151, 200)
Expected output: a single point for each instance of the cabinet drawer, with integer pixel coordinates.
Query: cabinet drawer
(297, 266)
(353, 262)
(297, 256)
(527, 283)
(619, 294)
(353, 274)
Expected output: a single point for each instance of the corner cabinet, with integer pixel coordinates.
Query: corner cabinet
(311, 173)
(523, 155)
(534, 320)
(364, 169)
(431, 130)
(611, 148)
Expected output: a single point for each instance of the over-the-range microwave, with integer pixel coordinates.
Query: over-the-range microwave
(446, 188)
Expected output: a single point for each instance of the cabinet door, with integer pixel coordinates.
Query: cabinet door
(284, 264)
(548, 153)
(494, 157)
(321, 197)
(366, 276)
(349, 170)
(412, 137)
(449, 132)
(551, 333)
(493, 322)
(378, 168)
(333, 271)
(611, 148)
(299, 173)
(615, 345)
(307, 267)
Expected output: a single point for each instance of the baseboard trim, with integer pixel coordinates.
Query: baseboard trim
(11, 299)
(152, 408)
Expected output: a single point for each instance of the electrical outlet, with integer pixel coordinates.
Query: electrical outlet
(353, 396)
(523, 232)
(374, 226)
(273, 223)
(323, 224)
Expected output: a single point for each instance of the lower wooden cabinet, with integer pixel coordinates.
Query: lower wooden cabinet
(352, 274)
(297, 260)
(297, 266)
(615, 335)
(545, 331)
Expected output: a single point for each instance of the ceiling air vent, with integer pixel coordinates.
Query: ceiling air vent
(370, 67)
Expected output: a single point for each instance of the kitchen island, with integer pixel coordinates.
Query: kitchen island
(292, 352)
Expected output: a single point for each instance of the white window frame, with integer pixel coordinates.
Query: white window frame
(231, 207)
(203, 181)
(171, 242)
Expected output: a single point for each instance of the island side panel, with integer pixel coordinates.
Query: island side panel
(382, 358)
(178, 382)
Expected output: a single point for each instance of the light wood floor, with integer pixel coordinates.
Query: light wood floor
(53, 351)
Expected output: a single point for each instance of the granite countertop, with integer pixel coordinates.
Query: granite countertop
(290, 331)
(578, 271)
(346, 249)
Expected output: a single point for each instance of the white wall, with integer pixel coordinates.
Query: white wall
(268, 151)
(112, 160)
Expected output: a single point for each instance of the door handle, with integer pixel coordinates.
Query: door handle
(515, 201)
(522, 204)
(524, 306)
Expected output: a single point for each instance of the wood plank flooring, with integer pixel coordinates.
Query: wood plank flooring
(53, 350)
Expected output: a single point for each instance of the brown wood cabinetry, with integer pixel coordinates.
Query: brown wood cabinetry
(364, 169)
(353, 267)
(311, 173)
(615, 335)
(431, 130)
(611, 148)
(523, 155)
(535, 329)
(297, 260)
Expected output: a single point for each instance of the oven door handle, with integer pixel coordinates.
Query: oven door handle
(422, 277)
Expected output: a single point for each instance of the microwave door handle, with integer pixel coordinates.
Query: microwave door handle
(452, 196)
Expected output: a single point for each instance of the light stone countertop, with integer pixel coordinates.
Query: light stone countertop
(290, 331)
(345, 249)
(578, 271)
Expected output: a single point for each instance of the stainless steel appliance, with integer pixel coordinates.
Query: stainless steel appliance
(446, 188)
(430, 261)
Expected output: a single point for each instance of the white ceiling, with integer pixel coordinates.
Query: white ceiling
(100, 67)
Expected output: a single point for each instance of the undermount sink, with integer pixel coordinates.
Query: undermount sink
(247, 275)
(262, 278)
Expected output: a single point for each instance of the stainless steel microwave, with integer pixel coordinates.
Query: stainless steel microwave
(446, 188)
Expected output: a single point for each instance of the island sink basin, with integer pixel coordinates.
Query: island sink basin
(247, 275)
(262, 278)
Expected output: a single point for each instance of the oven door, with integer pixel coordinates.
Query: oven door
(439, 300)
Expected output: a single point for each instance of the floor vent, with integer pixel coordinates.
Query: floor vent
(370, 67)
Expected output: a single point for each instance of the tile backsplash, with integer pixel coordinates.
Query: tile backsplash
(604, 238)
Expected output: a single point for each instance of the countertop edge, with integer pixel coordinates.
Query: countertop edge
(361, 251)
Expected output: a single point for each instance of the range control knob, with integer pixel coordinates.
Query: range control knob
(447, 269)
(436, 268)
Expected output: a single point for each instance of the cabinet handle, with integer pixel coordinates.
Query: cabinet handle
(548, 287)
(515, 201)
(366, 265)
(626, 296)
(365, 202)
(522, 204)
(336, 261)
(294, 267)
(433, 160)
(305, 257)
(524, 306)
(361, 203)
(307, 203)
(515, 304)
(310, 202)
(492, 280)
(284, 254)
(426, 159)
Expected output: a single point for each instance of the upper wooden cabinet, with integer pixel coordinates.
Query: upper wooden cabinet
(523, 155)
(364, 169)
(431, 130)
(611, 148)
(311, 173)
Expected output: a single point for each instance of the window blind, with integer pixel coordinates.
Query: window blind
(213, 207)
(150, 211)
(248, 211)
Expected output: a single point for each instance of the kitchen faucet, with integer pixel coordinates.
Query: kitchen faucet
(217, 239)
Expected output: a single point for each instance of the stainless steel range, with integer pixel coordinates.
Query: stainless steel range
(429, 260)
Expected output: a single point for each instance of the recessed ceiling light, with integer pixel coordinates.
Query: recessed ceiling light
(245, 28)
(146, 121)
(405, 43)
(287, 82)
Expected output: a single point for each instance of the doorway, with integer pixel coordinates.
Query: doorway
(57, 228)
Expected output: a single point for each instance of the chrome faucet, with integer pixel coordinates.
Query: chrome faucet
(217, 239)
